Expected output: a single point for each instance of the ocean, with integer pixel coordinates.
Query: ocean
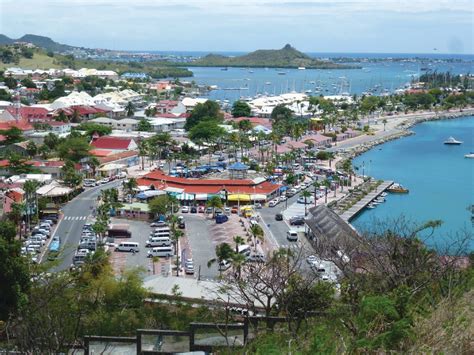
(439, 177)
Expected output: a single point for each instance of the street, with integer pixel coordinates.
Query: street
(75, 214)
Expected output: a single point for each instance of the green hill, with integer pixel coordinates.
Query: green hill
(45, 43)
(287, 57)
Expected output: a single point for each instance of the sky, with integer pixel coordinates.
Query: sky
(377, 26)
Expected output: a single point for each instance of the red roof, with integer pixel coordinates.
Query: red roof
(15, 195)
(29, 112)
(117, 156)
(255, 121)
(112, 143)
(21, 124)
(101, 152)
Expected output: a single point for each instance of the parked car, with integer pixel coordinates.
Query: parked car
(209, 210)
(306, 200)
(201, 209)
(158, 224)
(227, 210)
(282, 198)
(258, 205)
(279, 217)
(292, 235)
(257, 257)
(224, 265)
(181, 225)
(189, 267)
(194, 209)
(234, 210)
(272, 203)
(221, 218)
(185, 209)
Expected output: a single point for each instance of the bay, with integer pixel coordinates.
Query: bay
(439, 177)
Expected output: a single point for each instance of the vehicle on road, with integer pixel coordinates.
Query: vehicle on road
(194, 209)
(297, 221)
(312, 260)
(201, 209)
(181, 225)
(244, 250)
(224, 265)
(273, 203)
(258, 205)
(89, 183)
(158, 224)
(185, 209)
(128, 246)
(292, 235)
(189, 267)
(257, 258)
(160, 251)
(279, 217)
(305, 200)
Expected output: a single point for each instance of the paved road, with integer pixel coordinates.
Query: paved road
(75, 214)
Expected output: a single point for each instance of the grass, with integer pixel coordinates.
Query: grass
(39, 61)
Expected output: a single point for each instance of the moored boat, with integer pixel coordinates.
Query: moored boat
(397, 188)
(452, 141)
(470, 155)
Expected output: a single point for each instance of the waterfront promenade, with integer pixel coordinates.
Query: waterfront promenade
(361, 204)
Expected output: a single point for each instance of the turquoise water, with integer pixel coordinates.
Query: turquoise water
(440, 179)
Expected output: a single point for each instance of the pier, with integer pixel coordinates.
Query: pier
(362, 203)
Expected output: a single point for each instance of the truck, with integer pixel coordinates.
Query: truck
(119, 231)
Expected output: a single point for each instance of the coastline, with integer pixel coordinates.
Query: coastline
(402, 129)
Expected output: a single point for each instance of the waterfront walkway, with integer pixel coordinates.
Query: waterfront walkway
(361, 204)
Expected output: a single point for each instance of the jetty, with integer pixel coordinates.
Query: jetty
(364, 201)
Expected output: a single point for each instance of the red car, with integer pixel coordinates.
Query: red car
(201, 209)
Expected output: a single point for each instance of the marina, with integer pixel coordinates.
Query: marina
(366, 201)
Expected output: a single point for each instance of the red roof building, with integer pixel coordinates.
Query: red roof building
(27, 113)
(21, 124)
(255, 121)
(158, 180)
(114, 143)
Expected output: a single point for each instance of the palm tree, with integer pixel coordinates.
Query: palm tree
(176, 234)
(143, 151)
(316, 189)
(214, 202)
(238, 241)
(384, 121)
(257, 233)
(327, 184)
(223, 252)
(154, 259)
(130, 186)
(30, 187)
(16, 214)
(306, 194)
(238, 260)
(130, 108)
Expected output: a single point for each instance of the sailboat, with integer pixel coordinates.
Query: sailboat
(452, 141)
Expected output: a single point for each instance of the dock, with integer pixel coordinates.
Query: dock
(360, 205)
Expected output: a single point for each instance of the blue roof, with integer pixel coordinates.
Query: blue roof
(238, 166)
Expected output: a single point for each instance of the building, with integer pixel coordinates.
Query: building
(189, 103)
(233, 191)
(30, 114)
(114, 144)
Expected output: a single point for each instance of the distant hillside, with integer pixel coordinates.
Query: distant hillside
(39, 41)
(287, 57)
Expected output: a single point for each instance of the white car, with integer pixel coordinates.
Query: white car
(311, 260)
(273, 203)
(297, 187)
(283, 198)
(185, 209)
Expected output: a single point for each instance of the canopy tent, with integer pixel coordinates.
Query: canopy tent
(239, 197)
(136, 207)
(53, 190)
(173, 190)
(149, 193)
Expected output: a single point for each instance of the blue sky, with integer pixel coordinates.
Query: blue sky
(402, 26)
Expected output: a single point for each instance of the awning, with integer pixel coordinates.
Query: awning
(238, 197)
(53, 190)
(149, 193)
(185, 197)
(173, 190)
(258, 197)
(201, 197)
(283, 188)
(110, 167)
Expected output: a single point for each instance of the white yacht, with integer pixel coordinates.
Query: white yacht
(470, 155)
(452, 141)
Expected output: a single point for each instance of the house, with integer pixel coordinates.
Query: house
(22, 124)
(170, 106)
(161, 124)
(30, 114)
(126, 124)
(189, 103)
(113, 143)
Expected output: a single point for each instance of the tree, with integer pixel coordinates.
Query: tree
(223, 252)
(161, 205)
(150, 111)
(12, 135)
(62, 117)
(129, 186)
(143, 149)
(4, 95)
(245, 126)
(14, 274)
(257, 234)
(18, 165)
(306, 194)
(70, 175)
(206, 132)
(75, 117)
(92, 128)
(30, 187)
(130, 108)
(214, 202)
(241, 109)
(144, 125)
(206, 111)
(74, 149)
(281, 114)
(28, 83)
(51, 141)
(384, 121)
(10, 82)
(31, 149)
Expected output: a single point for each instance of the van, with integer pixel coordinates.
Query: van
(244, 250)
(158, 242)
(128, 246)
(88, 182)
(292, 235)
(160, 251)
(162, 234)
(163, 228)
(222, 218)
